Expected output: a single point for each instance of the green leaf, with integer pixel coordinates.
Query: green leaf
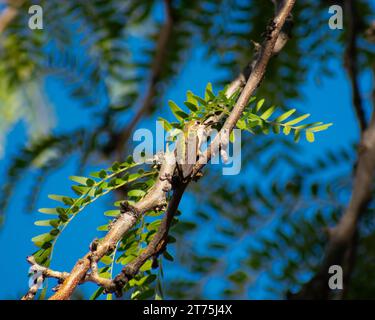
(286, 130)
(115, 166)
(310, 136)
(265, 128)
(297, 120)
(90, 182)
(285, 115)
(191, 106)
(54, 232)
(47, 223)
(154, 225)
(147, 266)
(232, 137)
(42, 255)
(190, 98)
(208, 95)
(251, 100)
(135, 294)
(64, 217)
(103, 274)
(98, 191)
(259, 105)
(106, 260)
(60, 210)
(78, 179)
(320, 128)
(166, 125)
(241, 124)
(177, 111)
(102, 174)
(200, 100)
(136, 193)
(167, 256)
(56, 197)
(48, 211)
(68, 201)
(305, 126)
(268, 113)
(42, 238)
(297, 135)
(126, 259)
(102, 228)
(129, 160)
(97, 293)
(80, 190)
(112, 213)
(276, 128)
(143, 295)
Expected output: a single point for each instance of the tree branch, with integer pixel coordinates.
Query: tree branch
(42, 272)
(156, 196)
(264, 54)
(156, 246)
(282, 39)
(351, 61)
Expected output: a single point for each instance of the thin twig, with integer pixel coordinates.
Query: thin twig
(156, 246)
(41, 273)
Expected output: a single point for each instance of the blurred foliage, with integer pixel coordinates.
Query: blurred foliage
(279, 216)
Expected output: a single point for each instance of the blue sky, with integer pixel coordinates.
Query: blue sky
(328, 102)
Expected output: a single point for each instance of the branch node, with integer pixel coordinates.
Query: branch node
(94, 245)
(126, 207)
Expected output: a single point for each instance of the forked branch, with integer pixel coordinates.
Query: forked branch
(157, 194)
